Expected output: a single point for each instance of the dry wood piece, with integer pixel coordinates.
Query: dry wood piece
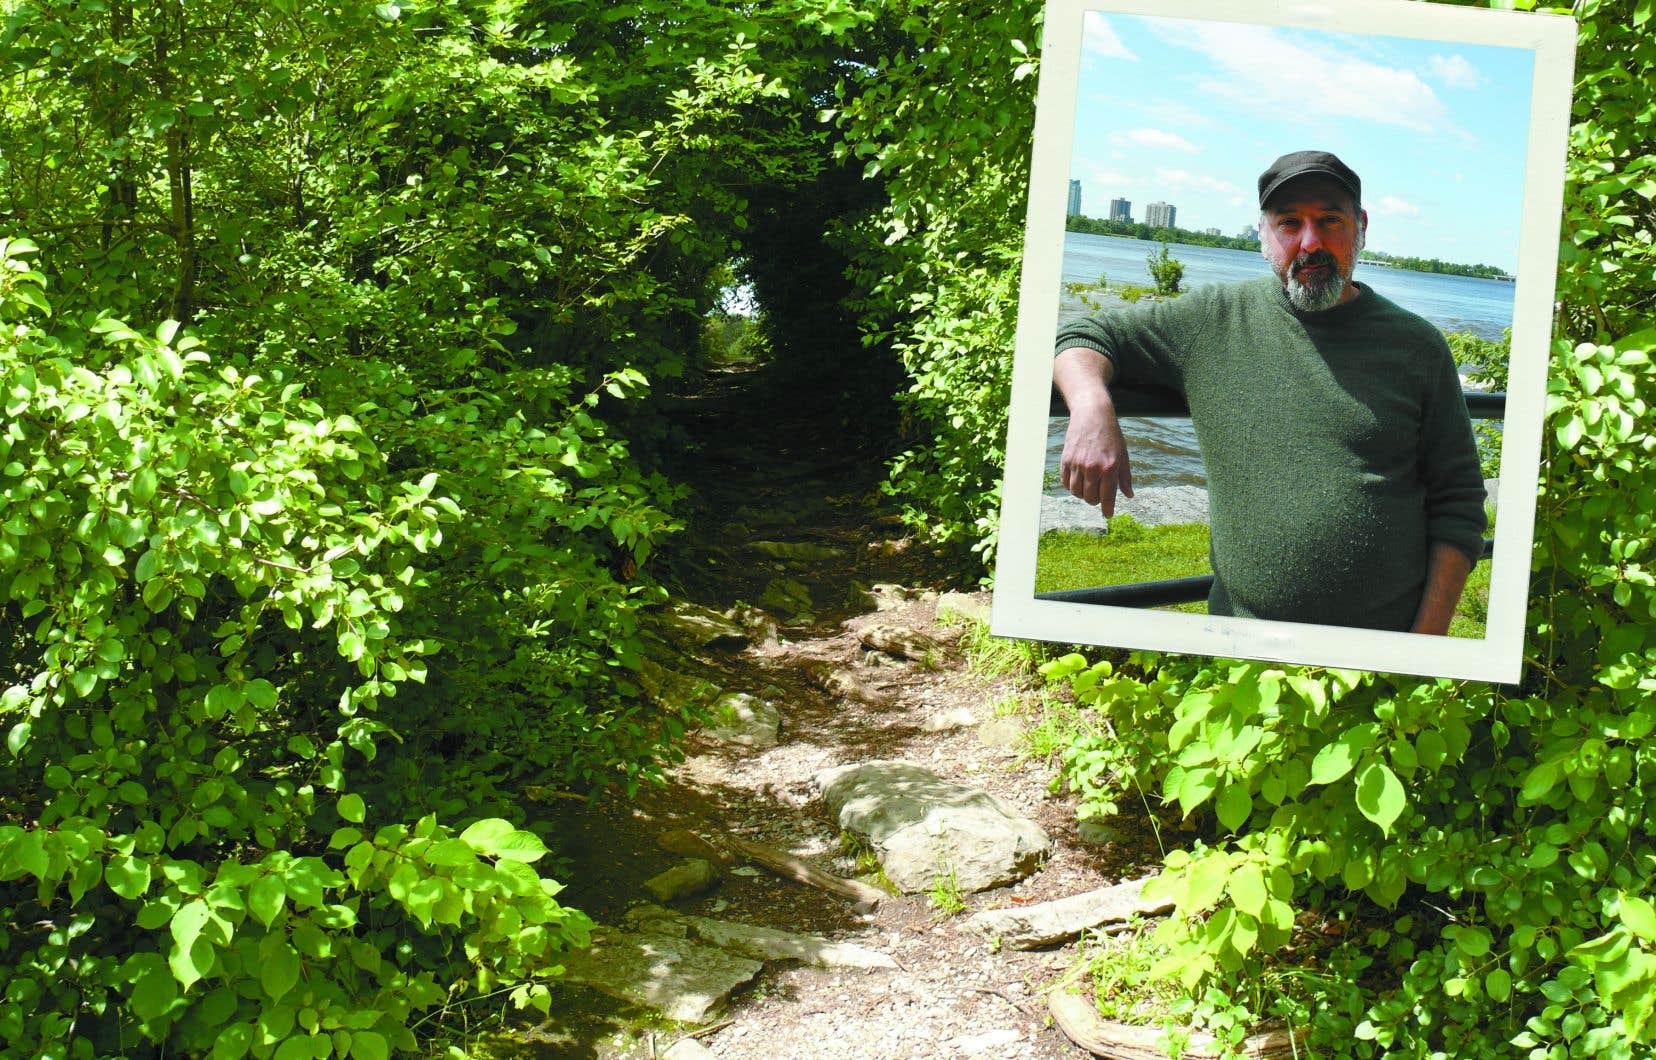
(1077, 1018)
(800, 871)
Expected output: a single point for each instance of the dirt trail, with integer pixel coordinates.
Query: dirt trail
(955, 993)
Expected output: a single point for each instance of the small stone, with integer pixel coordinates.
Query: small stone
(689, 877)
(959, 718)
(1095, 832)
(788, 596)
(969, 606)
(687, 844)
(746, 870)
(909, 643)
(796, 551)
(978, 1044)
(687, 1049)
(692, 626)
(888, 596)
(1000, 732)
(739, 718)
(760, 626)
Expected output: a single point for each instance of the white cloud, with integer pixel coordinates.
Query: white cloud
(1455, 71)
(1392, 206)
(1099, 38)
(1260, 66)
(1155, 138)
(1107, 177)
(1201, 183)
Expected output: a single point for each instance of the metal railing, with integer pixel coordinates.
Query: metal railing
(1160, 403)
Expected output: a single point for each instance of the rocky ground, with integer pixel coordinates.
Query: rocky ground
(827, 642)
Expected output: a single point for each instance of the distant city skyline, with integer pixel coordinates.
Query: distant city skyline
(1436, 130)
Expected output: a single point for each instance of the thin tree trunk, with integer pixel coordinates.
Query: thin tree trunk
(182, 212)
(121, 207)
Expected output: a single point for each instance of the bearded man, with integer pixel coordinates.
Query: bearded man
(1343, 480)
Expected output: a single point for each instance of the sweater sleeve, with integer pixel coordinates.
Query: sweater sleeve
(1449, 464)
(1148, 345)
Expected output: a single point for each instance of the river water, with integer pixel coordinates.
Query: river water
(1164, 450)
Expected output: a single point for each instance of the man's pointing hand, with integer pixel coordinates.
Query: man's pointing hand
(1094, 465)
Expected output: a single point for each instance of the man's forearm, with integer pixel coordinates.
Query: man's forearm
(1082, 375)
(1446, 571)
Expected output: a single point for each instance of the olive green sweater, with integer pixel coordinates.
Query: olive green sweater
(1337, 445)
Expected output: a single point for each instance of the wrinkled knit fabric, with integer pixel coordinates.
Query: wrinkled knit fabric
(1337, 445)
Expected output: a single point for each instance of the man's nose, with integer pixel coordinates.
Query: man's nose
(1310, 240)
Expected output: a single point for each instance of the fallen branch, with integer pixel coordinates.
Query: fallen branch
(1077, 1018)
(800, 871)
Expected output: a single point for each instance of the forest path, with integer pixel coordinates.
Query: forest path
(792, 474)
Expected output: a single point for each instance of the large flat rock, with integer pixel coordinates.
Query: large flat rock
(759, 943)
(745, 720)
(925, 829)
(1030, 926)
(692, 626)
(681, 979)
(1151, 505)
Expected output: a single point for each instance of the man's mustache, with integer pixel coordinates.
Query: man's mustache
(1316, 257)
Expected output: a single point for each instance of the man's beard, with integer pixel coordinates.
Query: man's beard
(1315, 293)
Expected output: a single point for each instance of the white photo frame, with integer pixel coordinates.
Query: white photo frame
(1498, 657)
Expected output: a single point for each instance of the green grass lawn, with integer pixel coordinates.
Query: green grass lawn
(1132, 552)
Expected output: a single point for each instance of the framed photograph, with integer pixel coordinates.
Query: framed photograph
(1296, 262)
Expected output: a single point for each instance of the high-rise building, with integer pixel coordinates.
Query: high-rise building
(1159, 215)
(1121, 210)
(1249, 232)
(1074, 207)
(1211, 231)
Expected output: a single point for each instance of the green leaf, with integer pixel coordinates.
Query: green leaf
(1247, 890)
(1498, 984)
(351, 808)
(1197, 786)
(368, 1045)
(298, 1047)
(497, 838)
(265, 898)
(153, 987)
(1335, 760)
(1639, 916)
(1473, 941)
(1234, 805)
(279, 968)
(1380, 795)
(233, 1042)
(127, 876)
(144, 485)
(261, 693)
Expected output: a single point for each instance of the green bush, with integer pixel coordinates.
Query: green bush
(324, 529)
(1166, 270)
(191, 556)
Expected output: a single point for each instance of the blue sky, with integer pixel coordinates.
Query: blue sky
(1189, 112)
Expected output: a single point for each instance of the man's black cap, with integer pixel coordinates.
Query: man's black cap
(1307, 164)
